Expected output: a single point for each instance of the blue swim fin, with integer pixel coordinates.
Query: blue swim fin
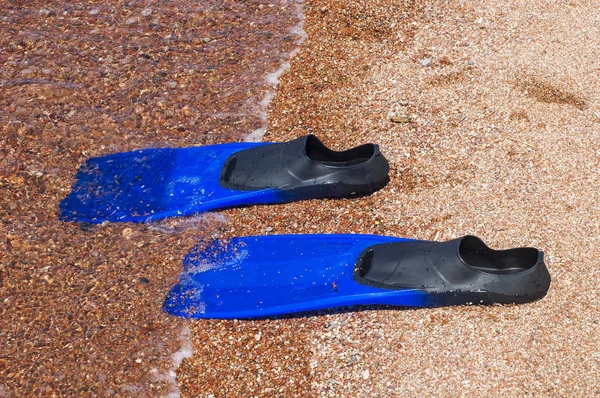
(283, 274)
(152, 184)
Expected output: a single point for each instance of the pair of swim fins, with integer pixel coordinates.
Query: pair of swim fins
(152, 184)
(273, 275)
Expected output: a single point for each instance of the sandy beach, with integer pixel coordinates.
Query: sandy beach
(501, 141)
(496, 134)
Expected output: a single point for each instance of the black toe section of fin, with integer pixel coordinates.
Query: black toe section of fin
(462, 265)
(308, 166)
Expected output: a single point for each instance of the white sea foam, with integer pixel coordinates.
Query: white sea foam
(186, 351)
(177, 225)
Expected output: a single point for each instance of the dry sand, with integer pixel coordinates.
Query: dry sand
(501, 140)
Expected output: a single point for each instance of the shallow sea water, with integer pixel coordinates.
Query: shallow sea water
(81, 304)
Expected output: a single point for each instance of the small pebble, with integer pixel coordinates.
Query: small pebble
(131, 20)
(426, 62)
(86, 227)
(268, 229)
(147, 11)
(47, 13)
(94, 11)
(35, 173)
(172, 84)
(396, 118)
(365, 374)
(126, 232)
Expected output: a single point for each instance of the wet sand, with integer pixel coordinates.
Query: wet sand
(499, 138)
